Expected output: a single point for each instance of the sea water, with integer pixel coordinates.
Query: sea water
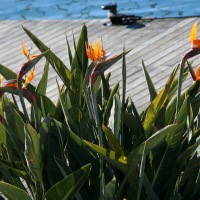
(90, 9)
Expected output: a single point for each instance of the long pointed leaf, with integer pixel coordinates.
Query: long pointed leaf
(152, 90)
(141, 174)
(135, 156)
(112, 140)
(156, 105)
(12, 192)
(174, 140)
(7, 73)
(42, 86)
(68, 187)
(119, 161)
(78, 70)
(69, 51)
(14, 120)
(115, 118)
(109, 104)
(3, 136)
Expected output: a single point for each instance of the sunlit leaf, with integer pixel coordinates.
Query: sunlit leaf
(113, 141)
(152, 90)
(117, 160)
(156, 105)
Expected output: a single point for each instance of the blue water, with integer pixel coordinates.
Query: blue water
(90, 9)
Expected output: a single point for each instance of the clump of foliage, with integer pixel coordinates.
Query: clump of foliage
(93, 143)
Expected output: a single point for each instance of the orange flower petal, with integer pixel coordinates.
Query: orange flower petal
(1, 79)
(24, 50)
(34, 56)
(29, 78)
(196, 42)
(197, 73)
(97, 48)
(89, 51)
(10, 85)
(99, 52)
(96, 53)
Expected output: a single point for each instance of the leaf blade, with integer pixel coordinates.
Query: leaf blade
(67, 188)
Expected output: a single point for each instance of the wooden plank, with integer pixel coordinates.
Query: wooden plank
(159, 42)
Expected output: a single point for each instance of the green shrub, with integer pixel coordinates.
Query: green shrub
(93, 143)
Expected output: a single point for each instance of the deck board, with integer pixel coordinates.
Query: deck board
(159, 42)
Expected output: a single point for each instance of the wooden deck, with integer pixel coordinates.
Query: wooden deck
(159, 42)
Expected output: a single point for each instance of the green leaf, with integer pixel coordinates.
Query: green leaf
(123, 79)
(78, 70)
(69, 186)
(11, 175)
(19, 147)
(87, 90)
(115, 118)
(171, 107)
(141, 173)
(80, 59)
(14, 120)
(12, 192)
(175, 83)
(7, 73)
(188, 153)
(117, 160)
(50, 137)
(172, 148)
(109, 104)
(65, 170)
(140, 128)
(135, 157)
(180, 81)
(42, 86)
(21, 98)
(105, 87)
(152, 90)
(149, 189)
(3, 137)
(69, 51)
(33, 152)
(112, 141)
(132, 132)
(122, 184)
(6, 167)
(156, 105)
(55, 62)
(110, 189)
(44, 102)
(52, 148)
(68, 110)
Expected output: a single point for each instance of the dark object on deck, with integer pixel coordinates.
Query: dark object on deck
(118, 18)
